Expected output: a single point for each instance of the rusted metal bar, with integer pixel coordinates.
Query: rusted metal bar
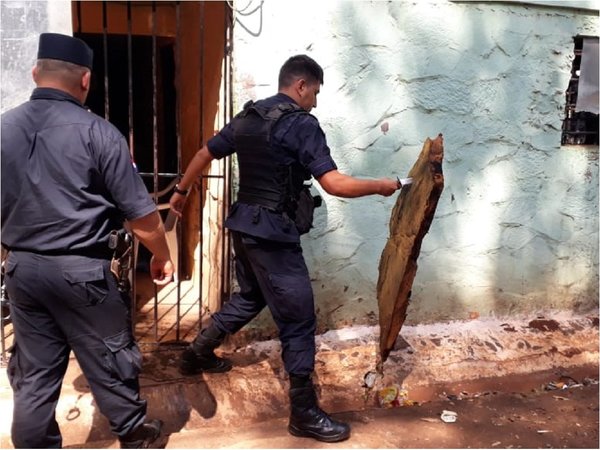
(105, 49)
(130, 80)
(131, 150)
(227, 114)
(154, 147)
(154, 106)
(201, 190)
(78, 9)
(160, 174)
(178, 132)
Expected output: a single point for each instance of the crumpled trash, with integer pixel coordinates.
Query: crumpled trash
(394, 396)
(370, 379)
(562, 383)
(448, 416)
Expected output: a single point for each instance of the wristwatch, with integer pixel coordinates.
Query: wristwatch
(180, 191)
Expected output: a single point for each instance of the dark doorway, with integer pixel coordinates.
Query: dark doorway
(144, 95)
(151, 116)
(165, 93)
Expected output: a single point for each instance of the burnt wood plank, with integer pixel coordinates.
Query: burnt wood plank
(410, 221)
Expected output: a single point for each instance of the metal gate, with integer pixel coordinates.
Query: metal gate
(138, 85)
(150, 85)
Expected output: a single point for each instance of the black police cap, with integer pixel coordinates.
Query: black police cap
(65, 48)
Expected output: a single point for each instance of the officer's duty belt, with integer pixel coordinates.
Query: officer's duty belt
(251, 199)
(90, 252)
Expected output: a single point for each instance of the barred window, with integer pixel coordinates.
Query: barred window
(580, 126)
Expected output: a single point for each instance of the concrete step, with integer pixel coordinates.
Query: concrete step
(427, 358)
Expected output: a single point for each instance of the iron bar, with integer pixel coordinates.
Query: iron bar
(131, 152)
(202, 187)
(160, 174)
(78, 17)
(178, 133)
(230, 113)
(154, 106)
(226, 171)
(105, 50)
(154, 146)
(130, 80)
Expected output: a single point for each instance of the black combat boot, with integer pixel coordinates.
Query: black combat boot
(307, 419)
(147, 435)
(200, 355)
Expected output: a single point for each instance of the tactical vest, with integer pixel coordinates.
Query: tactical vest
(264, 178)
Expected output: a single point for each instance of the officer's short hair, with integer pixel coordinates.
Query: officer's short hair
(300, 66)
(67, 72)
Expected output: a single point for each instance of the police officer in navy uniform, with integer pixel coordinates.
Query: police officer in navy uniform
(279, 145)
(67, 182)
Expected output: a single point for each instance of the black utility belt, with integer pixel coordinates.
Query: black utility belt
(250, 199)
(97, 253)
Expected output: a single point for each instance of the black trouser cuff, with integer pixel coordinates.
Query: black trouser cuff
(300, 381)
(212, 332)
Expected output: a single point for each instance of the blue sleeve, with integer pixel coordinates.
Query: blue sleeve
(303, 134)
(120, 177)
(222, 144)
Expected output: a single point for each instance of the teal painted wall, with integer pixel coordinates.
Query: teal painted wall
(516, 228)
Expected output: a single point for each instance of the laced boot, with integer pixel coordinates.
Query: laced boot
(200, 355)
(147, 435)
(307, 419)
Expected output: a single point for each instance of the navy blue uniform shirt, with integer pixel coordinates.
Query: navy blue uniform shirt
(301, 139)
(67, 177)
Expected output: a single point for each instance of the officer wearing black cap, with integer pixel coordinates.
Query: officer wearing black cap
(67, 182)
(279, 145)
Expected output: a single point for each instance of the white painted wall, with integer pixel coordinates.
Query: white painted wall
(21, 24)
(516, 228)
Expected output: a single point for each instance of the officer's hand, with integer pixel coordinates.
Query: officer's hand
(161, 271)
(177, 203)
(388, 186)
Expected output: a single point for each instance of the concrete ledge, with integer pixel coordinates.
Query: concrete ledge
(256, 388)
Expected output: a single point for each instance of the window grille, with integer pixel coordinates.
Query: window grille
(580, 127)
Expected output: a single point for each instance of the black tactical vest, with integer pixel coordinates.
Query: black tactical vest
(264, 178)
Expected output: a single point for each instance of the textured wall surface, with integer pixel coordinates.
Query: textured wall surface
(516, 229)
(21, 23)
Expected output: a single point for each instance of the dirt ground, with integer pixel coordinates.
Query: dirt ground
(544, 410)
(552, 409)
(547, 397)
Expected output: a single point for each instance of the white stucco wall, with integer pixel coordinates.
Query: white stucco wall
(21, 23)
(516, 228)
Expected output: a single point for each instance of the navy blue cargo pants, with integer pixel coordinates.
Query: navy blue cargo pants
(59, 304)
(274, 274)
